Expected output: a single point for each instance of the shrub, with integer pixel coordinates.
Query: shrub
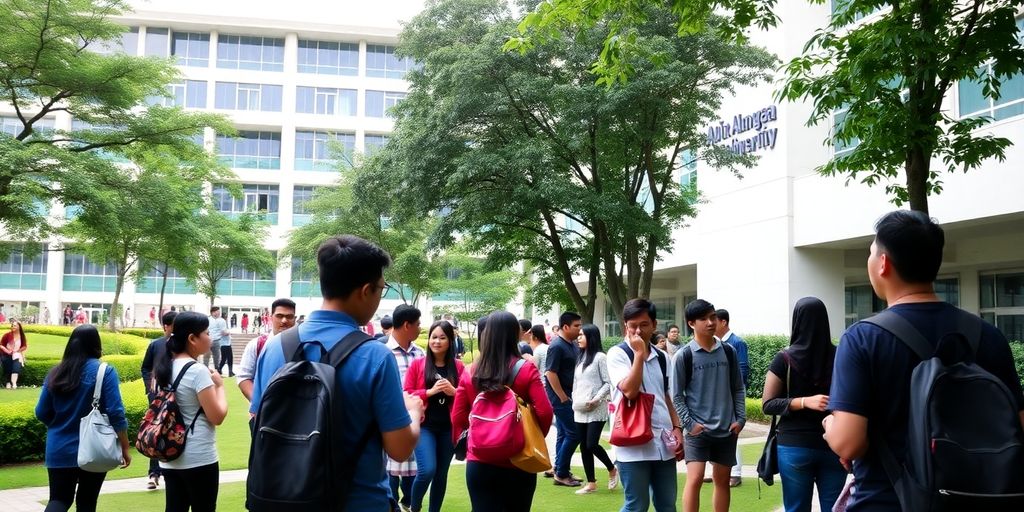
(129, 368)
(143, 332)
(761, 348)
(113, 342)
(30, 442)
(1017, 349)
(754, 412)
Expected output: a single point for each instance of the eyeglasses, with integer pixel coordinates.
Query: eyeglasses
(384, 289)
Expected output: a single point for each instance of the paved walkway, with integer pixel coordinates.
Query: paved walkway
(29, 499)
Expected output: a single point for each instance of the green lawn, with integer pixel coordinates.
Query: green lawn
(547, 498)
(45, 346)
(232, 444)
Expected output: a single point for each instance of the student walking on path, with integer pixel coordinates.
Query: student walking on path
(796, 389)
(590, 395)
(434, 380)
(192, 480)
(66, 398)
(559, 370)
(497, 485)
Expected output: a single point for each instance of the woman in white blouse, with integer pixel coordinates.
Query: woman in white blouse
(590, 394)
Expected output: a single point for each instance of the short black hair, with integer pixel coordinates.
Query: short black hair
(212, 309)
(386, 322)
(568, 318)
(913, 242)
(168, 318)
(698, 309)
(525, 325)
(636, 307)
(282, 303)
(347, 263)
(405, 314)
(722, 315)
(674, 326)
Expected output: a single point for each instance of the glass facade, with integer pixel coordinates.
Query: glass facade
(379, 102)
(12, 125)
(250, 150)
(300, 196)
(257, 97)
(325, 101)
(249, 284)
(328, 58)
(381, 62)
(83, 275)
(191, 49)
(973, 103)
(250, 52)
(861, 301)
(1002, 302)
(189, 94)
(372, 143)
(157, 42)
(19, 271)
(304, 284)
(152, 280)
(264, 199)
(318, 151)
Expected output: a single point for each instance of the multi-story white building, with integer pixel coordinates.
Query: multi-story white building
(783, 232)
(291, 77)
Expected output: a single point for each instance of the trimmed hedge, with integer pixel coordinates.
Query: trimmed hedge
(129, 368)
(113, 342)
(754, 412)
(29, 444)
(761, 348)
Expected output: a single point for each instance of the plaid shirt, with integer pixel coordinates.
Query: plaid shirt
(404, 358)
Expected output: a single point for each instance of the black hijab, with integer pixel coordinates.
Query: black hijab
(810, 352)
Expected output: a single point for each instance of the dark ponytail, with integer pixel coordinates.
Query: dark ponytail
(185, 324)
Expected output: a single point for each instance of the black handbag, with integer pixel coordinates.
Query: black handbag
(768, 464)
(461, 445)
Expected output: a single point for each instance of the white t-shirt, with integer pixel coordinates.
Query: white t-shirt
(201, 443)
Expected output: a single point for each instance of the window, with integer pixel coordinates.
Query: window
(157, 42)
(12, 125)
(371, 143)
(379, 102)
(257, 97)
(325, 101)
(263, 199)
(382, 63)
(83, 275)
(153, 280)
(1002, 302)
(19, 271)
(251, 150)
(838, 6)
(666, 310)
(127, 43)
(250, 52)
(972, 100)
(314, 150)
(191, 49)
(328, 58)
(301, 195)
(840, 148)
(861, 301)
(243, 282)
(189, 94)
(304, 284)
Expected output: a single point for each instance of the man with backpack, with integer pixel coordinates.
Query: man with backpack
(648, 470)
(370, 415)
(708, 394)
(282, 317)
(924, 394)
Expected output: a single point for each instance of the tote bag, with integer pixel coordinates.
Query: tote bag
(534, 457)
(98, 448)
(632, 425)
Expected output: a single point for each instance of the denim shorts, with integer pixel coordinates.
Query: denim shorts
(705, 448)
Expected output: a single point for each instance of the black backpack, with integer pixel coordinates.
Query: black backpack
(297, 462)
(730, 356)
(965, 444)
(662, 360)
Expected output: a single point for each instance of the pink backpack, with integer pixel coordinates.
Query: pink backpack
(495, 426)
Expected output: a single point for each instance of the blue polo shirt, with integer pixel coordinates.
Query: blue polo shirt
(370, 388)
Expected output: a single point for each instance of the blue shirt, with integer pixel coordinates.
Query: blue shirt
(62, 413)
(871, 378)
(370, 388)
(742, 356)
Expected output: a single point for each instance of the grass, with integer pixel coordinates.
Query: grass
(232, 444)
(45, 346)
(548, 497)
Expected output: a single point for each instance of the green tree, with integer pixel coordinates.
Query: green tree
(343, 209)
(530, 160)
(54, 58)
(477, 289)
(884, 81)
(230, 243)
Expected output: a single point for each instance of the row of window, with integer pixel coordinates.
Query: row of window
(259, 53)
(268, 98)
(314, 150)
(264, 200)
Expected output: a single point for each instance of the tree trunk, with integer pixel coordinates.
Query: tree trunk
(563, 264)
(117, 298)
(163, 288)
(918, 167)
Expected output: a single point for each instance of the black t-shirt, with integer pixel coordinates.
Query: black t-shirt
(872, 379)
(799, 428)
(562, 360)
(438, 415)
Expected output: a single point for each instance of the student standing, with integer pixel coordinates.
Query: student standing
(283, 318)
(796, 389)
(66, 398)
(434, 380)
(154, 353)
(724, 333)
(561, 366)
(710, 399)
(406, 329)
(497, 485)
(13, 346)
(191, 481)
(590, 393)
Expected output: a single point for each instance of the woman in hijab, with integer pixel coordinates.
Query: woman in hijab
(796, 389)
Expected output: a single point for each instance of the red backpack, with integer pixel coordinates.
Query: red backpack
(495, 424)
(162, 432)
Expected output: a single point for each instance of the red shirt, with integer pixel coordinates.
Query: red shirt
(526, 385)
(7, 341)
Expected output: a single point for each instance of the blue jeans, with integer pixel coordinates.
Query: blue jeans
(642, 481)
(567, 439)
(800, 468)
(434, 454)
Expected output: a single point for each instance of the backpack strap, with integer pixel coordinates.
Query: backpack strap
(290, 344)
(344, 348)
(734, 366)
(515, 371)
(687, 366)
(662, 360)
(905, 332)
(337, 356)
(174, 388)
